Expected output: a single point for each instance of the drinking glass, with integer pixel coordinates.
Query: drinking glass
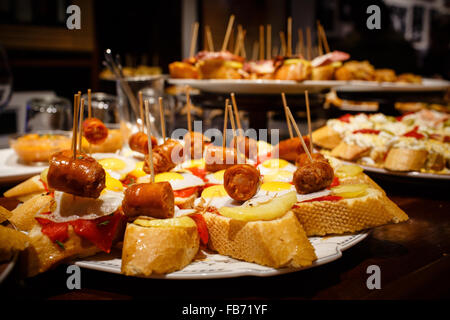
(49, 113)
(6, 79)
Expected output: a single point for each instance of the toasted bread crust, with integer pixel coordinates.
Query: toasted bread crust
(276, 243)
(321, 218)
(27, 189)
(326, 137)
(159, 250)
(401, 159)
(23, 216)
(349, 152)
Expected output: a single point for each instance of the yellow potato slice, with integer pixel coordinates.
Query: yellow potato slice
(270, 210)
(181, 222)
(350, 190)
(347, 171)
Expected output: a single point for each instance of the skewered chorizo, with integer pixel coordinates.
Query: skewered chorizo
(289, 149)
(218, 158)
(94, 130)
(82, 176)
(149, 199)
(246, 146)
(195, 143)
(313, 177)
(139, 142)
(303, 158)
(241, 181)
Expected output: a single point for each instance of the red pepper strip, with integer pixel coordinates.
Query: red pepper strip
(335, 182)
(414, 134)
(199, 172)
(325, 198)
(100, 231)
(400, 118)
(129, 179)
(201, 227)
(346, 118)
(369, 131)
(56, 231)
(263, 158)
(184, 193)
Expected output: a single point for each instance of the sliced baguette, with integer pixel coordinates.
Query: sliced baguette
(326, 137)
(4, 214)
(42, 253)
(159, 250)
(27, 189)
(277, 243)
(11, 241)
(348, 152)
(402, 159)
(23, 217)
(321, 218)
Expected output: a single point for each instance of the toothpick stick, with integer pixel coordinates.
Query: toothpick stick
(89, 104)
(225, 122)
(324, 39)
(75, 126)
(243, 53)
(302, 44)
(283, 44)
(255, 51)
(261, 42)
(297, 130)
(233, 125)
(308, 115)
(150, 150)
(319, 39)
(209, 39)
(308, 43)
(283, 97)
(228, 32)
(193, 40)
(188, 102)
(162, 119)
(80, 129)
(289, 37)
(141, 111)
(237, 46)
(236, 112)
(269, 42)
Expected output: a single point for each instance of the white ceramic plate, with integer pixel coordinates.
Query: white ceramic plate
(412, 174)
(372, 86)
(12, 170)
(215, 266)
(259, 86)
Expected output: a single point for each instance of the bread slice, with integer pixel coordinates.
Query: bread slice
(277, 243)
(42, 253)
(27, 189)
(4, 214)
(186, 203)
(403, 159)
(321, 218)
(348, 152)
(11, 241)
(326, 137)
(159, 250)
(23, 217)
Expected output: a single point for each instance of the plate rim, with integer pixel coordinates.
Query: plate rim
(179, 275)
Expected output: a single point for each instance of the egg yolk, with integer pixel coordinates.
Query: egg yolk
(214, 191)
(275, 186)
(112, 164)
(282, 174)
(138, 170)
(196, 163)
(112, 183)
(219, 175)
(275, 163)
(168, 176)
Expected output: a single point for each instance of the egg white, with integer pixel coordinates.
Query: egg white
(216, 177)
(274, 167)
(129, 164)
(70, 207)
(188, 181)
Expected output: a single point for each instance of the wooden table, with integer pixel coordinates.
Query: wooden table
(412, 256)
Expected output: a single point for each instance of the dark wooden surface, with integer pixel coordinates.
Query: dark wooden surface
(413, 258)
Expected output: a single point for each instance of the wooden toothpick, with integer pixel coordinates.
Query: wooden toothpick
(283, 97)
(297, 130)
(150, 150)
